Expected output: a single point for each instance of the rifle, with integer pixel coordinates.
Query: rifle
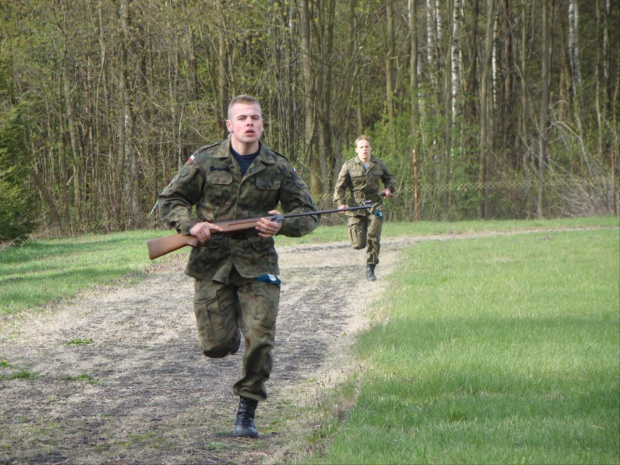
(163, 245)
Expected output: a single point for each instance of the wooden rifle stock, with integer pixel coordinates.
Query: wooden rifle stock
(164, 245)
(167, 244)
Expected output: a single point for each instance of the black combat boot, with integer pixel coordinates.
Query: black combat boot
(370, 273)
(244, 426)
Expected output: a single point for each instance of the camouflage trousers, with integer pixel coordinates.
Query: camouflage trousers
(366, 231)
(247, 306)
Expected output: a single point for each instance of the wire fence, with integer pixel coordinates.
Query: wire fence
(562, 196)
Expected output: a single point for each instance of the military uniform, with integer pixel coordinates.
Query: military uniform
(236, 284)
(363, 184)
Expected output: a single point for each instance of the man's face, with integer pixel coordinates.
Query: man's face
(245, 123)
(363, 149)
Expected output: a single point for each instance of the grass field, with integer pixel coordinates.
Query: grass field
(492, 350)
(495, 350)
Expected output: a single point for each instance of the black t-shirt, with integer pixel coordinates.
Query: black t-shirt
(244, 160)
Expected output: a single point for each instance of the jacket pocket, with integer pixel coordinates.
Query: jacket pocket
(268, 184)
(219, 189)
(266, 194)
(219, 178)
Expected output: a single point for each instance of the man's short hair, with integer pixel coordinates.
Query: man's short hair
(247, 99)
(362, 137)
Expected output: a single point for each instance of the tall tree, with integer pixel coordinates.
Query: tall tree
(544, 104)
(485, 112)
(413, 67)
(222, 65)
(309, 97)
(390, 70)
(128, 155)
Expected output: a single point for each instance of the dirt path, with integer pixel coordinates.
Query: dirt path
(141, 392)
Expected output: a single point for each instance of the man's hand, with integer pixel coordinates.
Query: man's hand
(341, 207)
(202, 231)
(385, 193)
(267, 227)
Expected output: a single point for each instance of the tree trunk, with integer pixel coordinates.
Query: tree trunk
(544, 106)
(573, 45)
(309, 98)
(324, 90)
(597, 77)
(485, 113)
(130, 162)
(192, 63)
(471, 82)
(455, 70)
(413, 69)
(389, 71)
(69, 128)
(222, 67)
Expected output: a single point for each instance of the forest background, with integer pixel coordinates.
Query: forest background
(490, 109)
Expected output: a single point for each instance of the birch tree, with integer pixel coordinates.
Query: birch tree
(455, 70)
(573, 46)
(485, 111)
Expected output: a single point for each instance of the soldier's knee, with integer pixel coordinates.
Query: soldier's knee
(216, 352)
(357, 239)
(222, 349)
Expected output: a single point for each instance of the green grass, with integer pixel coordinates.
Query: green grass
(22, 374)
(41, 271)
(86, 378)
(79, 341)
(497, 350)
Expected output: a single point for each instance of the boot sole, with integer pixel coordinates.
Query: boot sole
(246, 434)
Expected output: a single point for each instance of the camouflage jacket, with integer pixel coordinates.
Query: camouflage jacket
(211, 181)
(363, 184)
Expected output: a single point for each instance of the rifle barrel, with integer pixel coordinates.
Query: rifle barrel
(323, 212)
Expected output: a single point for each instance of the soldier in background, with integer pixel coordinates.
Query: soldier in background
(361, 176)
(237, 289)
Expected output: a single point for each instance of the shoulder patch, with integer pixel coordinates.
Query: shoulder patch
(206, 147)
(199, 155)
